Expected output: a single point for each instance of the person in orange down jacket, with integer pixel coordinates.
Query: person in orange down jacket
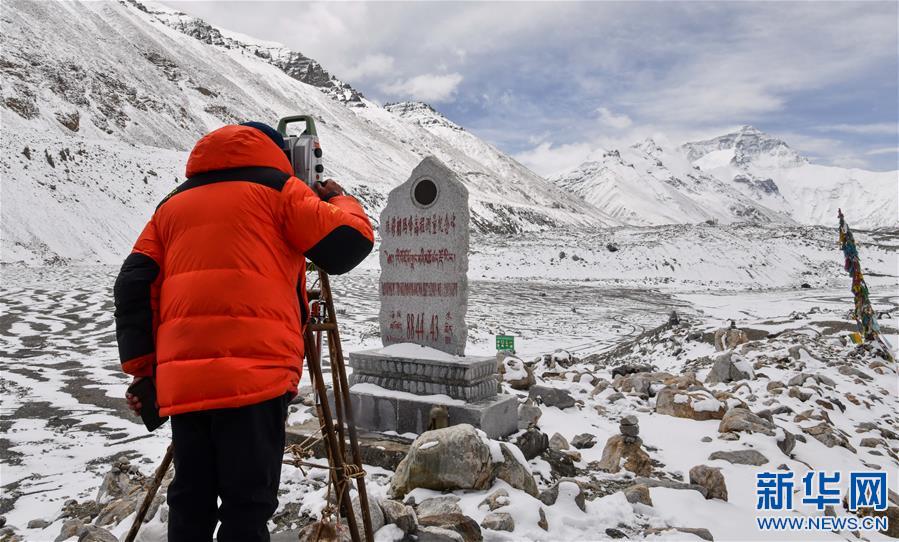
(211, 303)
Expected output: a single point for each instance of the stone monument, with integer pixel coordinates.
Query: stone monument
(424, 297)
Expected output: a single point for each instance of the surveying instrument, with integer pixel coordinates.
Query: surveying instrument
(337, 428)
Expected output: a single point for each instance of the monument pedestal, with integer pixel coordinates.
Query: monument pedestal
(397, 393)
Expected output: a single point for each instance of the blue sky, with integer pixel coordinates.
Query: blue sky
(551, 82)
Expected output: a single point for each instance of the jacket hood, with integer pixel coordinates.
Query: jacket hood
(235, 146)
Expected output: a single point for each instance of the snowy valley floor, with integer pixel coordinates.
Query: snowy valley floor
(64, 421)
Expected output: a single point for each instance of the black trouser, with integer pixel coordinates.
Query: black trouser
(233, 454)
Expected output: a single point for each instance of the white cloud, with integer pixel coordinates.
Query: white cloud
(885, 150)
(879, 128)
(612, 120)
(547, 160)
(376, 65)
(434, 88)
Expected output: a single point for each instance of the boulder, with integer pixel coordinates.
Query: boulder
(320, 530)
(631, 368)
(515, 471)
(568, 489)
(38, 524)
(671, 484)
(552, 397)
(695, 405)
(499, 521)
(528, 414)
(584, 440)
(620, 447)
(785, 440)
(461, 524)
(711, 479)
(560, 464)
(70, 527)
(892, 513)
(728, 338)
(532, 443)
(437, 534)
(94, 533)
(828, 436)
(638, 493)
(729, 367)
(741, 457)
(516, 373)
(558, 443)
(399, 514)
(435, 506)
(455, 457)
(742, 419)
(497, 499)
(542, 523)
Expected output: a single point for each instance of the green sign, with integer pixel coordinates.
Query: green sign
(505, 342)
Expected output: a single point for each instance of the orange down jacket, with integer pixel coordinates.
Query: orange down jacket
(212, 298)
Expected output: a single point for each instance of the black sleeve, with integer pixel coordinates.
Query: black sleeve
(134, 311)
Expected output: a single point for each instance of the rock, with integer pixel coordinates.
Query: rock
(673, 319)
(741, 457)
(671, 484)
(517, 374)
(532, 443)
(702, 533)
(615, 533)
(706, 439)
(93, 533)
(569, 488)
(711, 479)
(868, 442)
(638, 493)
(892, 513)
(828, 436)
(617, 396)
(729, 367)
(38, 524)
(437, 534)
(497, 499)
(729, 436)
(774, 385)
(70, 528)
(741, 419)
(627, 369)
(728, 338)
(435, 506)
(600, 387)
(455, 457)
(785, 441)
(461, 524)
(799, 393)
(515, 471)
(401, 515)
(499, 521)
(584, 440)
(528, 414)
(573, 454)
(697, 405)
(629, 430)
(552, 396)
(324, 531)
(557, 442)
(560, 464)
(542, 523)
(618, 448)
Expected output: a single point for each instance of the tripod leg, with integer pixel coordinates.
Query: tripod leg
(342, 396)
(335, 459)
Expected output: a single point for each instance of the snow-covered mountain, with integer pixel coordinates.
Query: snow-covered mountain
(742, 176)
(648, 184)
(101, 101)
(768, 170)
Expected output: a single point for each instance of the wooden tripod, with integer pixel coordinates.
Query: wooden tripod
(344, 464)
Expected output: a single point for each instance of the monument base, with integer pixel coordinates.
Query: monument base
(379, 409)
